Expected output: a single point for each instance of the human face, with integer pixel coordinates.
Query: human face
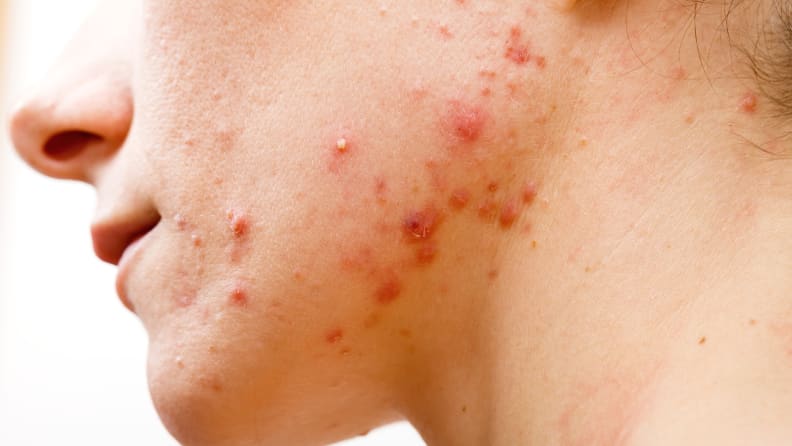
(297, 194)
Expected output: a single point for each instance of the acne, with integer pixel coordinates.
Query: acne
(341, 145)
(381, 190)
(389, 290)
(465, 122)
(517, 50)
(340, 151)
(426, 253)
(180, 221)
(748, 103)
(509, 213)
(445, 32)
(334, 336)
(459, 198)
(238, 223)
(488, 210)
(421, 224)
(238, 297)
(197, 240)
(529, 192)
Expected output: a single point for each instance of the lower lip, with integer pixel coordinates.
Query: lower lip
(124, 268)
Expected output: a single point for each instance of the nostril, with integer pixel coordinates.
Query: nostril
(67, 145)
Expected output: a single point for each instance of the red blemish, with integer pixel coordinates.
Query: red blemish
(529, 192)
(508, 213)
(445, 32)
(541, 62)
(334, 336)
(213, 383)
(437, 174)
(516, 50)
(238, 297)
(488, 74)
(196, 239)
(381, 190)
(185, 299)
(487, 210)
(371, 321)
(492, 186)
(426, 253)
(181, 222)
(238, 222)
(748, 103)
(465, 121)
(421, 224)
(678, 73)
(486, 91)
(340, 150)
(459, 199)
(388, 291)
(359, 260)
(492, 274)
(405, 333)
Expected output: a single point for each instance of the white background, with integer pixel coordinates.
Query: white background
(71, 357)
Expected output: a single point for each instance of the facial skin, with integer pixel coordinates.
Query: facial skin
(509, 223)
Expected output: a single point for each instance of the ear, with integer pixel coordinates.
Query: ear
(562, 5)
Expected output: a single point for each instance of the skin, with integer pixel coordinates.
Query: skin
(508, 223)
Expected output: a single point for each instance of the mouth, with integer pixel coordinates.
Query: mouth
(117, 239)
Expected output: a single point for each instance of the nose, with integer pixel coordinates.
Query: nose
(75, 125)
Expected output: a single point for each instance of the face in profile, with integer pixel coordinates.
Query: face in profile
(293, 200)
(313, 205)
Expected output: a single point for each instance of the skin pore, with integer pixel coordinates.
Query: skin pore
(507, 222)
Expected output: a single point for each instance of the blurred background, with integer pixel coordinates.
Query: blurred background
(72, 359)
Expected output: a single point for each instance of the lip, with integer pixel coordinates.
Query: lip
(118, 241)
(128, 258)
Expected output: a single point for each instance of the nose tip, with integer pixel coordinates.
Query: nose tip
(71, 131)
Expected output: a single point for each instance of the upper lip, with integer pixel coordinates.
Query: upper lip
(112, 235)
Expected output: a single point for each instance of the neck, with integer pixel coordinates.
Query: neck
(648, 277)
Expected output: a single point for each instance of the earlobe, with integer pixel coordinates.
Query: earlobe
(562, 5)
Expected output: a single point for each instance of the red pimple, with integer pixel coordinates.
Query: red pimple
(334, 336)
(388, 291)
(488, 210)
(437, 173)
(748, 103)
(459, 198)
(492, 186)
(517, 51)
(529, 193)
(465, 121)
(421, 224)
(196, 239)
(238, 222)
(445, 32)
(181, 222)
(238, 297)
(426, 253)
(185, 299)
(508, 213)
(339, 153)
(380, 190)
